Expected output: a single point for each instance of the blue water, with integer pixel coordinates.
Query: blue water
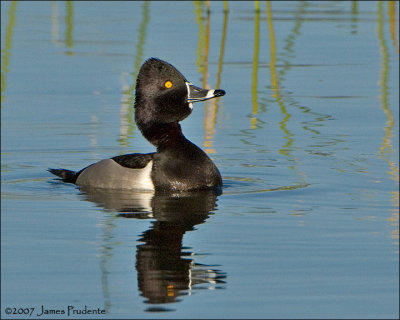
(306, 140)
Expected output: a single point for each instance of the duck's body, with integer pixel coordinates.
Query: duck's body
(163, 98)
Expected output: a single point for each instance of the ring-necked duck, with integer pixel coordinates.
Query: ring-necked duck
(163, 98)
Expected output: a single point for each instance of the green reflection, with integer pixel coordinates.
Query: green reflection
(128, 99)
(6, 51)
(354, 13)
(354, 9)
(222, 45)
(254, 74)
(225, 6)
(386, 148)
(286, 56)
(198, 10)
(392, 21)
(277, 94)
(203, 47)
(211, 106)
(283, 188)
(206, 50)
(289, 41)
(69, 24)
(285, 150)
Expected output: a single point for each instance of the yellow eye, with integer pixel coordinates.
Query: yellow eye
(168, 84)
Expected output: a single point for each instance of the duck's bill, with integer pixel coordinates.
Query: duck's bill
(196, 94)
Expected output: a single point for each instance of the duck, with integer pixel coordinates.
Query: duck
(163, 98)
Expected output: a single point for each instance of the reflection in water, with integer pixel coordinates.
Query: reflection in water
(165, 269)
(128, 97)
(286, 97)
(55, 25)
(254, 76)
(69, 23)
(211, 106)
(203, 48)
(6, 52)
(392, 21)
(285, 150)
(222, 45)
(288, 52)
(198, 10)
(354, 19)
(386, 148)
(206, 52)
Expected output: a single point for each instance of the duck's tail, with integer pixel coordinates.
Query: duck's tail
(65, 175)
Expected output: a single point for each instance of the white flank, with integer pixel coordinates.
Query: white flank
(109, 174)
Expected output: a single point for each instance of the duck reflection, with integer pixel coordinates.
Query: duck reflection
(166, 269)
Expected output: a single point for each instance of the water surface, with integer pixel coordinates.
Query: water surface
(306, 139)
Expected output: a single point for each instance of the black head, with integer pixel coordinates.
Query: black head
(163, 95)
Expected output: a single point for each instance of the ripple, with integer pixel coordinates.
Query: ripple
(245, 185)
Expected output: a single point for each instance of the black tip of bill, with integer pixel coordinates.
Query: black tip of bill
(219, 93)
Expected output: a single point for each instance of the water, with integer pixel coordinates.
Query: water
(306, 139)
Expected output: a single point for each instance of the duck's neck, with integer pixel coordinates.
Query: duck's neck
(163, 135)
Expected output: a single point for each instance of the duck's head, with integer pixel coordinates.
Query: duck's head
(163, 95)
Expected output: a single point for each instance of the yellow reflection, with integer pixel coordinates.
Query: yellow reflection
(254, 74)
(208, 5)
(272, 45)
(198, 10)
(354, 9)
(225, 6)
(392, 22)
(275, 86)
(6, 52)
(206, 50)
(290, 39)
(386, 148)
(222, 46)
(354, 12)
(128, 97)
(69, 26)
(55, 24)
(210, 107)
(276, 94)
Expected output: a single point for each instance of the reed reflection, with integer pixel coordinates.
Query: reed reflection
(354, 18)
(6, 51)
(128, 97)
(55, 25)
(254, 76)
(198, 10)
(222, 45)
(386, 148)
(69, 23)
(392, 21)
(276, 93)
(203, 48)
(286, 98)
(212, 106)
(165, 269)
